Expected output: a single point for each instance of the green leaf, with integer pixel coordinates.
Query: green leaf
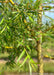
(14, 12)
(20, 43)
(28, 47)
(21, 55)
(1, 21)
(24, 61)
(15, 16)
(8, 27)
(1, 7)
(30, 68)
(33, 62)
(31, 19)
(33, 67)
(3, 30)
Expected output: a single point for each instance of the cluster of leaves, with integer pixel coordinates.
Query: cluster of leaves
(19, 30)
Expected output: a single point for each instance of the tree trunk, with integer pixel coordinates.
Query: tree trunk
(39, 41)
(39, 54)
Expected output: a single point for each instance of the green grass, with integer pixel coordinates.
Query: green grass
(48, 68)
(3, 55)
(6, 69)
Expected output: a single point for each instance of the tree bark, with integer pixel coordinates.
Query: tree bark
(39, 54)
(39, 41)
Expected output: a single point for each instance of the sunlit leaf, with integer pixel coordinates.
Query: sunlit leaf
(31, 19)
(30, 68)
(2, 30)
(21, 55)
(28, 47)
(2, 21)
(24, 61)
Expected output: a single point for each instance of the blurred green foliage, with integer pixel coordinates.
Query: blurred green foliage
(19, 30)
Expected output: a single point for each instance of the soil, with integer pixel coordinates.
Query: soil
(2, 61)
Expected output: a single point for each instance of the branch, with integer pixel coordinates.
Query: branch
(11, 2)
(49, 28)
(8, 2)
(4, 1)
(14, 5)
(48, 6)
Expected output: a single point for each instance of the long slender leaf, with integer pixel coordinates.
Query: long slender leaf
(28, 47)
(30, 68)
(21, 55)
(31, 19)
(3, 30)
(1, 21)
(33, 67)
(24, 61)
